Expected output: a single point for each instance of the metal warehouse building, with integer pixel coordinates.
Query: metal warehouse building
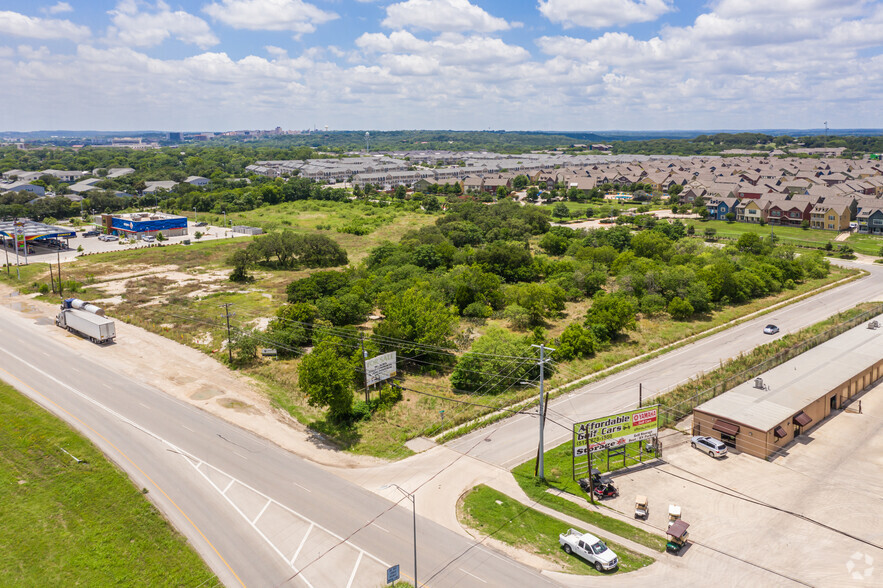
(138, 224)
(762, 416)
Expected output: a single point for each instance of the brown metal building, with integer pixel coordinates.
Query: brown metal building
(764, 415)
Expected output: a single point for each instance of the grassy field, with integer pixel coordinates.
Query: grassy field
(559, 475)
(494, 514)
(78, 524)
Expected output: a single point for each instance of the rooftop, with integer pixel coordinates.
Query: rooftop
(795, 384)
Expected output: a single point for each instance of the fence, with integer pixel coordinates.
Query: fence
(669, 415)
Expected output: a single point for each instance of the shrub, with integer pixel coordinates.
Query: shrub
(575, 341)
(680, 309)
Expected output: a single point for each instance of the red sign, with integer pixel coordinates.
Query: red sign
(643, 418)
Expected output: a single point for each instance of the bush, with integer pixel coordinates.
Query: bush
(653, 304)
(478, 310)
(575, 341)
(488, 367)
(680, 309)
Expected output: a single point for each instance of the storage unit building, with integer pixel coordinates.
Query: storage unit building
(762, 416)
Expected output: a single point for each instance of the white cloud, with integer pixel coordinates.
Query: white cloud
(598, 14)
(269, 15)
(20, 25)
(442, 16)
(57, 8)
(133, 27)
(447, 49)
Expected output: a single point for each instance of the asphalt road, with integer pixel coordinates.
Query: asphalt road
(514, 440)
(258, 515)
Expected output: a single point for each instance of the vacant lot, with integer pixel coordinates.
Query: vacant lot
(67, 523)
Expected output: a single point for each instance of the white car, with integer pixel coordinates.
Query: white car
(108, 238)
(590, 548)
(770, 329)
(148, 238)
(709, 445)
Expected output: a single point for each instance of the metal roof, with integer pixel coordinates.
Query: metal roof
(794, 385)
(33, 230)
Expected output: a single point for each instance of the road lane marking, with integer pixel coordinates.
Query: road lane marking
(355, 569)
(239, 455)
(302, 543)
(379, 527)
(302, 487)
(188, 428)
(110, 444)
(473, 575)
(269, 502)
(144, 405)
(228, 485)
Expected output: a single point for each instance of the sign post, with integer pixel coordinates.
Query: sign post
(614, 431)
(392, 574)
(382, 367)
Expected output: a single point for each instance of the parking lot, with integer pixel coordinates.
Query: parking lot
(812, 516)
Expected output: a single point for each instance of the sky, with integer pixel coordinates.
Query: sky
(544, 65)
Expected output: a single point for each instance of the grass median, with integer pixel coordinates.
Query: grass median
(558, 476)
(494, 514)
(68, 523)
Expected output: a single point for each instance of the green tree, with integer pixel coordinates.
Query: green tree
(241, 260)
(326, 378)
(576, 341)
(610, 314)
(520, 182)
(488, 367)
(680, 309)
(415, 317)
(502, 191)
(560, 210)
(675, 189)
(750, 243)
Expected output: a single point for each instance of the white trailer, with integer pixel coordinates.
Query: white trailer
(99, 329)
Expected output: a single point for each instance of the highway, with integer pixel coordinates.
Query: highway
(512, 441)
(257, 514)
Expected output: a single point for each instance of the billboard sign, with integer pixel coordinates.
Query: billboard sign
(380, 368)
(614, 430)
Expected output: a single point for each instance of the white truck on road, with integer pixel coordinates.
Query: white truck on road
(590, 548)
(87, 320)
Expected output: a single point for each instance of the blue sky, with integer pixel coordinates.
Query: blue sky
(446, 64)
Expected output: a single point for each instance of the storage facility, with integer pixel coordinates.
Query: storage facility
(764, 415)
(138, 224)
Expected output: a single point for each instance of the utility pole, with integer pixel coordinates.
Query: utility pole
(364, 363)
(640, 394)
(541, 472)
(58, 261)
(6, 250)
(227, 315)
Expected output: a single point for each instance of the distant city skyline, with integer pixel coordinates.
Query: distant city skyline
(542, 65)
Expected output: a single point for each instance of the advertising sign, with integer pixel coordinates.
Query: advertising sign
(380, 368)
(614, 430)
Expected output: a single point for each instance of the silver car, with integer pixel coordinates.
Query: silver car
(709, 445)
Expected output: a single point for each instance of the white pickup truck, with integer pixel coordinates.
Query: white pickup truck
(590, 548)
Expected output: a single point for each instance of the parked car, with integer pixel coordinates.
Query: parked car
(590, 548)
(201, 224)
(770, 330)
(91, 233)
(108, 238)
(709, 445)
(148, 238)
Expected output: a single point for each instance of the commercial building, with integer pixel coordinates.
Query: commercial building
(764, 415)
(138, 224)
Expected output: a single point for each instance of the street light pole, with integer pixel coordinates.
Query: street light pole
(413, 499)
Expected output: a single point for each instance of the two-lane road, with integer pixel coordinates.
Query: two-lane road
(255, 512)
(515, 439)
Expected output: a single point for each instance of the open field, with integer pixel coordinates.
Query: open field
(67, 523)
(494, 514)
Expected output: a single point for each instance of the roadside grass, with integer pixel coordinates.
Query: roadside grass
(559, 475)
(67, 523)
(492, 513)
(865, 244)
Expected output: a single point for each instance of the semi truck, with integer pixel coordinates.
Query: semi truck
(85, 319)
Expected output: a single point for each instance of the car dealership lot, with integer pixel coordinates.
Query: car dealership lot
(802, 517)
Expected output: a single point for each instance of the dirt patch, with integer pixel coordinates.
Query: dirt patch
(205, 393)
(238, 405)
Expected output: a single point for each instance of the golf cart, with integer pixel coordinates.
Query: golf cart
(677, 536)
(674, 514)
(642, 507)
